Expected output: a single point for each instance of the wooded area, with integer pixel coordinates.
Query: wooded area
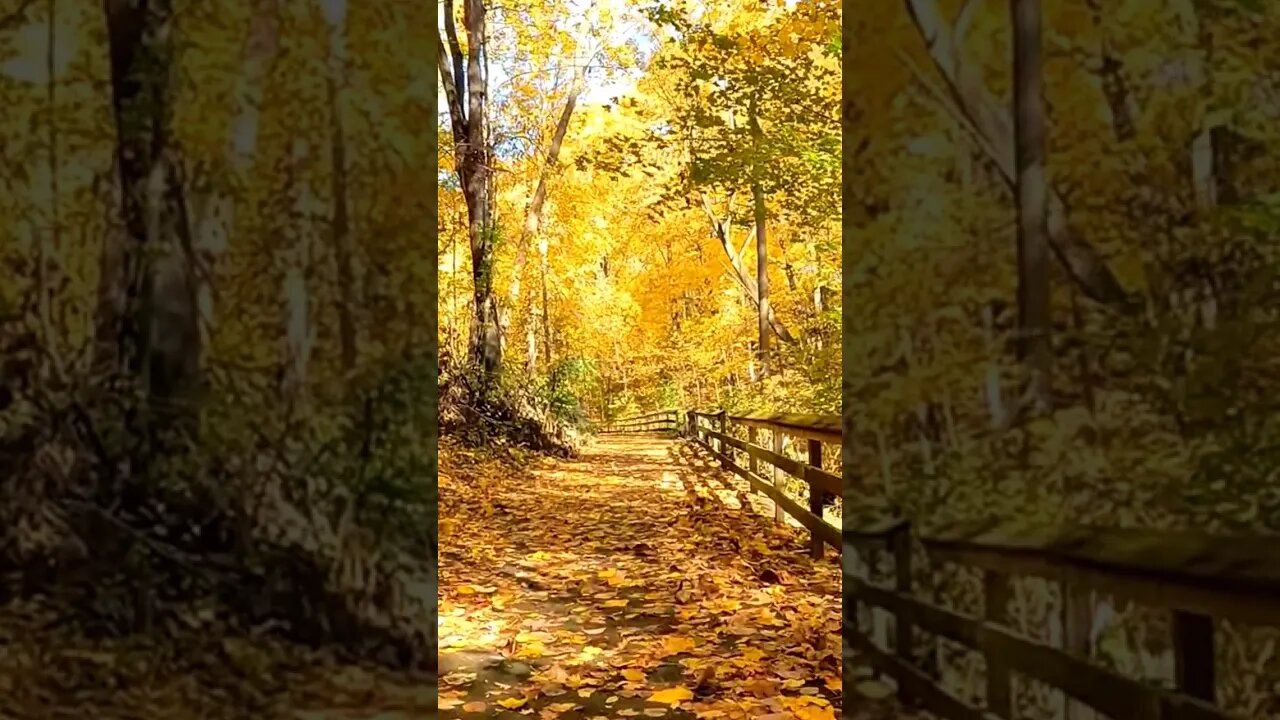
(217, 335)
(1059, 238)
(637, 213)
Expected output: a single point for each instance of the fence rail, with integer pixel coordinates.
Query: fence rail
(1196, 577)
(648, 422)
(711, 432)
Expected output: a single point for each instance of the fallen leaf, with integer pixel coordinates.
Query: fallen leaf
(676, 645)
(671, 696)
(474, 706)
(512, 703)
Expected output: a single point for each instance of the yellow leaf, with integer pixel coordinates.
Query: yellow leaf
(671, 696)
(512, 703)
(633, 675)
(615, 603)
(815, 713)
(675, 645)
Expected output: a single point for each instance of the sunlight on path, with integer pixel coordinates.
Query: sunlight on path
(624, 584)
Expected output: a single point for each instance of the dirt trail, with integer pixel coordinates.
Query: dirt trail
(629, 582)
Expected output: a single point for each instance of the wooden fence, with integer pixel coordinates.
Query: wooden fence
(1195, 577)
(711, 431)
(661, 420)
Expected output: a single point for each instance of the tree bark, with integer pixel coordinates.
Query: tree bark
(762, 278)
(533, 213)
(471, 158)
(546, 315)
(740, 273)
(151, 310)
(299, 334)
(762, 247)
(156, 294)
(1033, 245)
(992, 124)
(335, 12)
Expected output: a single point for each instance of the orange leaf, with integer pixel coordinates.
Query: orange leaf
(671, 696)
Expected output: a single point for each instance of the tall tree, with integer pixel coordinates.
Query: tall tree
(1033, 243)
(533, 213)
(762, 245)
(335, 16)
(467, 94)
(156, 293)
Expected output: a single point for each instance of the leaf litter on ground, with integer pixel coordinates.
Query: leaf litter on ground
(628, 584)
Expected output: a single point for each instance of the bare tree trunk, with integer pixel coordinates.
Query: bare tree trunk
(762, 278)
(335, 12)
(1033, 244)
(157, 318)
(156, 292)
(762, 247)
(533, 213)
(50, 244)
(546, 316)
(531, 343)
(472, 164)
(299, 333)
(748, 283)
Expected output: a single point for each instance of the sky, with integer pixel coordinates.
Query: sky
(630, 25)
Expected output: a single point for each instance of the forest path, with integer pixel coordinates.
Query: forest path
(624, 584)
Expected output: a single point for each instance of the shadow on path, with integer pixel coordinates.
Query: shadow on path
(625, 584)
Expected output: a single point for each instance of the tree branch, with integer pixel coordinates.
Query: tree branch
(1083, 263)
(457, 116)
(13, 19)
(455, 50)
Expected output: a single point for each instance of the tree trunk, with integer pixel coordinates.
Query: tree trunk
(335, 12)
(156, 313)
(546, 316)
(749, 286)
(49, 245)
(155, 295)
(533, 213)
(471, 158)
(1033, 244)
(298, 325)
(762, 278)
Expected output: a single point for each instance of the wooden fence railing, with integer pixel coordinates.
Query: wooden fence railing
(649, 422)
(1196, 577)
(711, 431)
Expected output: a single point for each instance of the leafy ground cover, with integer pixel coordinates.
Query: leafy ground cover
(629, 582)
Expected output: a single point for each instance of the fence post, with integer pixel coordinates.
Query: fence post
(1193, 655)
(900, 549)
(995, 602)
(817, 498)
(753, 464)
(1077, 616)
(778, 515)
(722, 420)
